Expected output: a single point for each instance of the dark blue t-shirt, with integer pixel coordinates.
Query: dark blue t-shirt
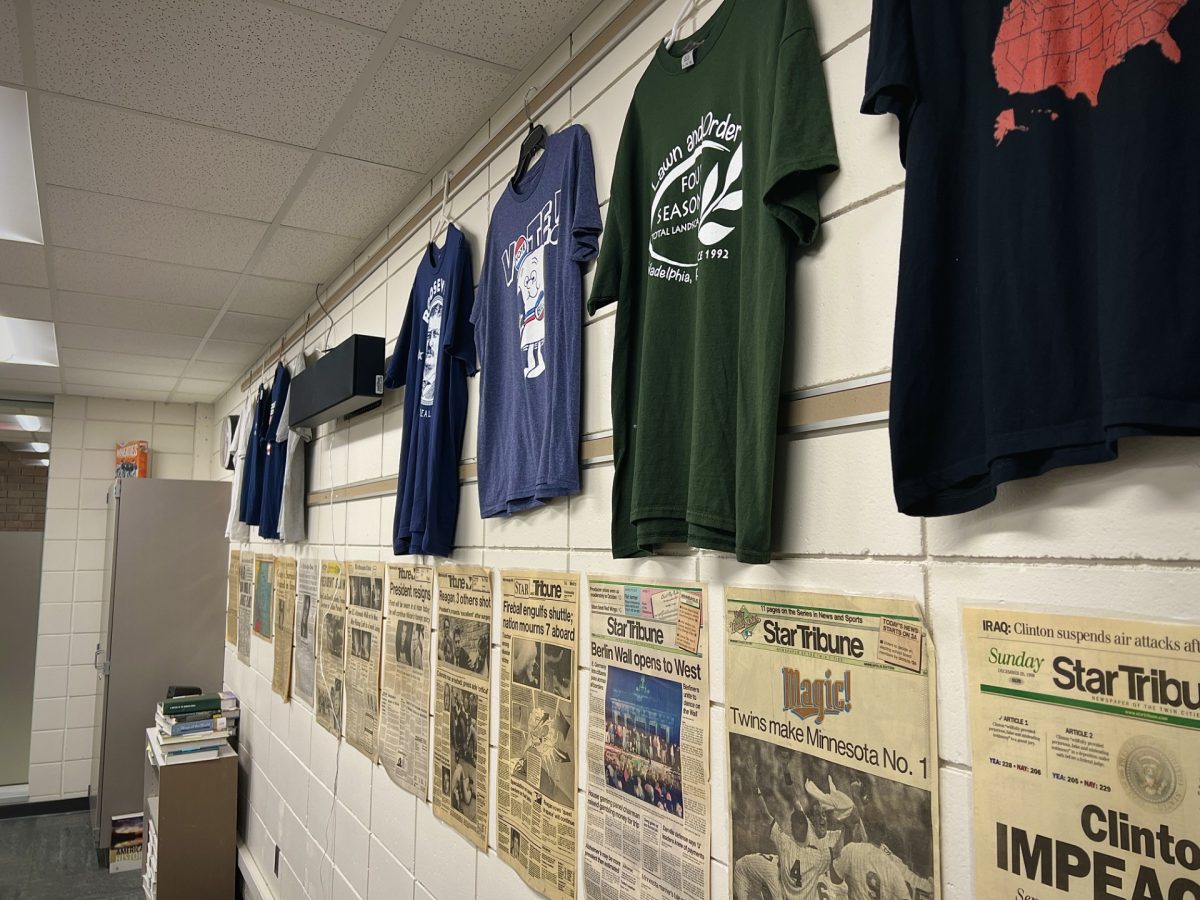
(528, 322)
(256, 459)
(433, 357)
(274, 457)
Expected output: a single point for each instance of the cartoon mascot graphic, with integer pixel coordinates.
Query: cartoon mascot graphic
(433, 336)
(531, 288)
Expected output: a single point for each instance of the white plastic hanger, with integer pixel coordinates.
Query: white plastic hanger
(674, 35)
(443, 219)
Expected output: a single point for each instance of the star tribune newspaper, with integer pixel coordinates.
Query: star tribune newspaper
(832, 747)
(647, 835)
(1085, 738)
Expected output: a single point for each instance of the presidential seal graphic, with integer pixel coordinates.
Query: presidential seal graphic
(1151, 774)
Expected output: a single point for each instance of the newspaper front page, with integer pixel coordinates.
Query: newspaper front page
(285, 611)
(648, 808)
(308, 580)
(365, 634)
(331, 647)
(231, 598)
(404, 695)
(1085, 738)
(245, 620)
(462, 701)
(536, 799)
(264, 593)
(833, 765)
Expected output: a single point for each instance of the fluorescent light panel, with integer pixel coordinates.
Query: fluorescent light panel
(20, 214)
(27, 342)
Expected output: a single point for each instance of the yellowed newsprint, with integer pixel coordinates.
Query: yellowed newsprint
(285, 612)
(536, 802)
(462, 701)
(331, 647)
(245, 606)
(364, 636)
(308, 581)
(231, 598)
(647, 835)
(833, 765)
(1085, 738)
(404, 695)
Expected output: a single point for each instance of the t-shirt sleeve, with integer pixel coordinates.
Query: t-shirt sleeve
(585, 228)
(397, 369)
(891, 64)
(802, 142)
(459, 340)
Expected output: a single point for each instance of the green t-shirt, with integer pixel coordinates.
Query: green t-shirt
(715, 180)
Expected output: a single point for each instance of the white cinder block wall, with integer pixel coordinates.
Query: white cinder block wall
(83, 435)
(1122, 538)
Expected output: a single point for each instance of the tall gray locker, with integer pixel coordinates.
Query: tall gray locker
(162, 623)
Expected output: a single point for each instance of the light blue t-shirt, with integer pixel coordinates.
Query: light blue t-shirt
(528, 324)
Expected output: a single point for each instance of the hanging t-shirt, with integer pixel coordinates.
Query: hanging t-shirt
(256, 460)
(291, 504)
(432, 359)
(528, 326)
(235, 528)
(1050, 257)
(715, 182)
(275, 458)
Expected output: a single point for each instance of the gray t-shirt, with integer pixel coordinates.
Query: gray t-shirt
(528, 322)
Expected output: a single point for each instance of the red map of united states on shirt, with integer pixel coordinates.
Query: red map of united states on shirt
(1071, 45)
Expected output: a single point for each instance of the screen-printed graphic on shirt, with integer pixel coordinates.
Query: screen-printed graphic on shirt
(1072, 46)
(432, 317)
(696, 189)
(524, 263)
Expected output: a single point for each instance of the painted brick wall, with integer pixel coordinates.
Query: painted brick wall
(22, 496)
(1121, 538)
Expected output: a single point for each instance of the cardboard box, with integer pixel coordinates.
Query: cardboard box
(133, 459)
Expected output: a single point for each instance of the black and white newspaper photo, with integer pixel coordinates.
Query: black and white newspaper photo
(647, 833)
(364, 629)
(536, 806)
(245, 607)
(404, 699)
(231, 597)
(462, 695)
(1085, 753)
(308, 580)
(331, 648)
(285, 610)
(833, 765)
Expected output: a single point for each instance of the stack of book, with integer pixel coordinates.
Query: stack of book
(195, 728)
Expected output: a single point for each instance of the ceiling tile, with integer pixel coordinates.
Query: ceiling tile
(140, 279)
(200, 387)
(230, 352)
(243, 327)
(304, 255)
(180, 397)
(29, 373)
(117, 340)
(420, 103)
(120, 362)
(512, 34)
(273, 297)
(10, 44)
(116, 151)
(351, 197)
(115, 393)
(138, 315)
(24, 302)
(87, 221)
(13, 387)
(372, 13)
(248, 67)
(226, 373)
(23, 264)
(97, 378)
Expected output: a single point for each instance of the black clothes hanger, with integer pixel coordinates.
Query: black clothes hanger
(534, 141)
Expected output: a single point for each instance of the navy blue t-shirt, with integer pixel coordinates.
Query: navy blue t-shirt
(433, 357)
(275, 456)
(256, 460)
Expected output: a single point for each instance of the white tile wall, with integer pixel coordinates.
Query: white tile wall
(1121, 538)
(83, 433)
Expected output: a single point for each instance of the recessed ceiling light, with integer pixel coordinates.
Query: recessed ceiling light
(29, 423)
(34, 447)
(20, 215)
(28, 342)
(37, 462)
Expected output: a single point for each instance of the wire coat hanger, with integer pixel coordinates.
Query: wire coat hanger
(443, 220)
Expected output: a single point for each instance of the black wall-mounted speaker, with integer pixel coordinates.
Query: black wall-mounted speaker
(344, 381)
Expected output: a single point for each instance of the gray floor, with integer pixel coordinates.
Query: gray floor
(52, 858)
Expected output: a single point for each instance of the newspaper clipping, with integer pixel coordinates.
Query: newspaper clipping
(264, 594)
(536, 802)
(832, 726)
(331, 646)
(231, 598)
(461, 701)
(308, 579)
(404, 696)
(245, 606)
(362, 664)
(647, 833)
(1084, 734)
(285, 610)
